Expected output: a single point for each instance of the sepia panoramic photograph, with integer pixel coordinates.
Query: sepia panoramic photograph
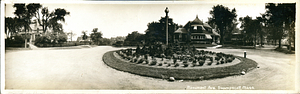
(192, 46)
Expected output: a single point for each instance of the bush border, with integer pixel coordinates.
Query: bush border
(180, 73)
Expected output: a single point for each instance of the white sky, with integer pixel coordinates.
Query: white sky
(120, 19)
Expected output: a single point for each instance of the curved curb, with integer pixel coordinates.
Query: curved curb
(180, 73)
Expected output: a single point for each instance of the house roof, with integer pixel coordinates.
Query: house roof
(180, 30)
(206, 25)
(197, 21)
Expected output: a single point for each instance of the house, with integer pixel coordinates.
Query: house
(196, 32)
(35, 31)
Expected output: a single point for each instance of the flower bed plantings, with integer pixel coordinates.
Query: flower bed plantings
(192, 64)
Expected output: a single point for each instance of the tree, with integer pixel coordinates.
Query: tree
(154, 33)
(84, 36)
(280, 18)
(11, 25)
(24, 16)
(260, 29)
(222, 17)
(25, 13)
(134, 38)
(48, 19)
(96, 36)
(248, 27)
(104, 41)
(56, 27)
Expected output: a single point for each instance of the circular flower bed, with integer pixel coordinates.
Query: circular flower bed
(187, 64)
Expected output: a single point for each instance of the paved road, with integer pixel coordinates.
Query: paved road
(83, 69)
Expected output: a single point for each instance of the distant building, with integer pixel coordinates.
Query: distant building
(35, 31)
(196, 32)
(236, 38)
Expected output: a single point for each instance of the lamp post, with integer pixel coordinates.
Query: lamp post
(167, 23)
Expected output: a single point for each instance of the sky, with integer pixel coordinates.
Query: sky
(118, 19)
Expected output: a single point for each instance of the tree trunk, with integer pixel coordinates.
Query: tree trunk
(261, 40)
(221, 37)
(255, 40)
(290, 48)
(26, 43)
(279, 44)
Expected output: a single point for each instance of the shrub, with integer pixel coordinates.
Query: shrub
(147, 61)
(185, 64)
(194, 61)
(168, 65)
(222, 62)
(194, 64)
(159, 64)
(191, 59)
(124, 57)
(229, 60)
(209, 63)
(137, 55)
(176, 65)
(18, 39)
(129, 57)
(153, 62)
(141, 61)
(217, 58)
(184, 61)
(174, 60)
(211, 59)
(42, 39)
(146, 56)
(135, 60)
(201, 62)
(218, 62)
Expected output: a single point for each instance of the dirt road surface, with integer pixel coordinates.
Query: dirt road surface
(83, 69)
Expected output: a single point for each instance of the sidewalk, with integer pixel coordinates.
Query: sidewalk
(33, 47)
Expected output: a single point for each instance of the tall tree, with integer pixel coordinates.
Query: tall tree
(84, 36)
(11, 26)
(23, 18)
(260, 29)
(134, 38)
(48, 19)
(222, 17)
(154, 33)
(96, 36)
(279, 17)
(248, 27)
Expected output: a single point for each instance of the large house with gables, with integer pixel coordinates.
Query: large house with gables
(197, 33)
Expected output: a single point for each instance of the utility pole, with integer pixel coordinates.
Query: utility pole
(167, 23)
